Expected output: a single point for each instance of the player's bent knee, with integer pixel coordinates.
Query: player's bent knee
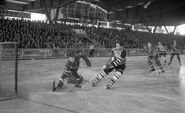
(120, 72)
(104, 67)
(107, 70)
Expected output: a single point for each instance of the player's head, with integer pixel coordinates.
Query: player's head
(72, 57)
(174, 42)
(149, 44)
(118, 45)
(159, 43)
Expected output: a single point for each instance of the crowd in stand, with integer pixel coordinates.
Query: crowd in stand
(36, 34)
(30, 34)
(134, 39)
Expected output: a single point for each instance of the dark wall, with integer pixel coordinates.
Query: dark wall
(2, 2)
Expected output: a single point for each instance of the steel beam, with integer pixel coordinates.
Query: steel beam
(43, 4)
(174, 30)
(166, 30)
(148, 29)
(57, 10)
(54, 4)
(154, 29)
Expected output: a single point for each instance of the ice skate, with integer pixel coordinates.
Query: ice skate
(94, 84)
(108, 86)
(57, 85)
(152, 70)
(60, 84)
(162, 71)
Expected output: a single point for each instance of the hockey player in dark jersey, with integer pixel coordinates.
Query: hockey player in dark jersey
(175, 51)
(153, 58)
(70, 71)
(117, 62)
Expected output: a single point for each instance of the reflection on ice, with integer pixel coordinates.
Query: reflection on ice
(182, 73)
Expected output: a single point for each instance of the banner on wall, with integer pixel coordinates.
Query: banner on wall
(64, 52)
(37, 52)
(133, 52)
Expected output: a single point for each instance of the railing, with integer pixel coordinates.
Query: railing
(64, 52)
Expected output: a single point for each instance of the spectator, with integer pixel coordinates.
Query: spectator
(91, 50)
(42, 35)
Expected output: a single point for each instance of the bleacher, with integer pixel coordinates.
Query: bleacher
(30, 34)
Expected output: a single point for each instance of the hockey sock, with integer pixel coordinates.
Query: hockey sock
(165, 60)
(101, 75)
(171, 60)
(115, 77)
(179, 60)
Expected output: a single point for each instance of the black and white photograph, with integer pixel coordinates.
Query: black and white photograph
(92, 56)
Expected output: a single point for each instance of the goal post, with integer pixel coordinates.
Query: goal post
(8, 68)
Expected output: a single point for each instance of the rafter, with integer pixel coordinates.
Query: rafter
(55, 4)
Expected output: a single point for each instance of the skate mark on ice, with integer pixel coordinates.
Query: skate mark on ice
(49, 105)
(91, 105)
(142, 95)
(113, 108)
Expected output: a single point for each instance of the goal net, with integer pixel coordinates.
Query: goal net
(8, 68)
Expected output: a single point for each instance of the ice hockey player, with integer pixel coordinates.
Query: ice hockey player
(175, 51)
(162, 51)
(117, 62)
(153, 58)
(71, 70)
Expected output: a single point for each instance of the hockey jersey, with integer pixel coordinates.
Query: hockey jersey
(118, 57)
(151, 51)
(70, 67)
(161, 48)
(73, 67)
(175, 48)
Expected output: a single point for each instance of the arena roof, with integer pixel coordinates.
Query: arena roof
(148, 12)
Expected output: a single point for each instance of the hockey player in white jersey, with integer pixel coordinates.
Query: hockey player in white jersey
(162, 51)
(117, 62)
